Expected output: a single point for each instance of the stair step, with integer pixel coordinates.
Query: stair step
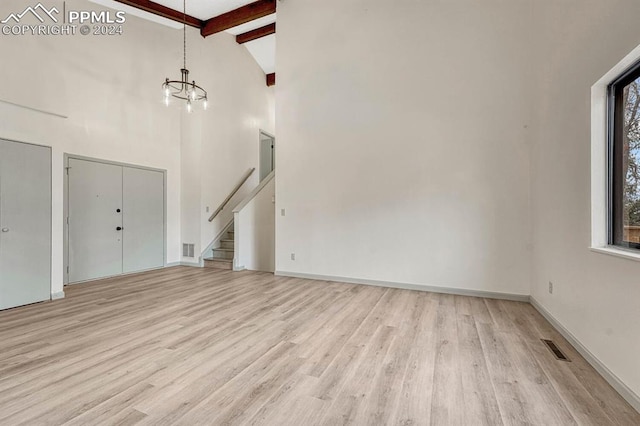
(227, 244)
(218, 263)
(222, 253)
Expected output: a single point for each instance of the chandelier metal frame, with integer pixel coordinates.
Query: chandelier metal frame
(183, 89)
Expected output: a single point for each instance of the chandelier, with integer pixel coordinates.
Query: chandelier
(183, 89)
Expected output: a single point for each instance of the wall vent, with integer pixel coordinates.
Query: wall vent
(187, 250)
(555, 350)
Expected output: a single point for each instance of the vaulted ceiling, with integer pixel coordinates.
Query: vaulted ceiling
(252, 22)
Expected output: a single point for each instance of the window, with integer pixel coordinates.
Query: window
(624, 160)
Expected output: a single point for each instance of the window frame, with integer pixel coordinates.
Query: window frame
(615, 184)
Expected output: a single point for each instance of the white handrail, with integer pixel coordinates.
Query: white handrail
(236, 189)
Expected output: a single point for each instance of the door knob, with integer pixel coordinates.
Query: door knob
(5, 229)
(119, 228)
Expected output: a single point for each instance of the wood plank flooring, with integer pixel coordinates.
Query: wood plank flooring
(192, 346)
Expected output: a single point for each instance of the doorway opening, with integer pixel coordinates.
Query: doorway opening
(267, 154)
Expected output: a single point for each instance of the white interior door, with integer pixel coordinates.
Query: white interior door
(143, 219)
(95, 220)
(25, 224)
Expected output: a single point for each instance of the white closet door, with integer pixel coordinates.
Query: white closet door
(143, 218)
(25, 224)
(95, 220)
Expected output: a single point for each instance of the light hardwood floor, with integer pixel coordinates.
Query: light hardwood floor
(201, 346)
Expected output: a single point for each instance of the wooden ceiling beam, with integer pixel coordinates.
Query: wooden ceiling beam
(271, 79)
(239, 16)
(165, 12)
(256, 34)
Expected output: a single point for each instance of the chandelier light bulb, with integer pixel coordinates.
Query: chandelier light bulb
(205, 104)
(183, 89)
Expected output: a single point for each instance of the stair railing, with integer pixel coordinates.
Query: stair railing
(235, 190)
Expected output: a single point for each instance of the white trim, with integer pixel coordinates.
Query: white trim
(57, 295)
(255, 192)
(617, 252)
(42, 111)
(599, 149)
(173, 264)
(264, 132)
(123, 275)
(630, 396)
(405, 286)
(193, 264)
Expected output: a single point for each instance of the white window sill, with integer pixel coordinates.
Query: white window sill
(618, 252)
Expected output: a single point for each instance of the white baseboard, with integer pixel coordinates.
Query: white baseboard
(194, 264)
(405, 286)
(57, 295)
(630, 396)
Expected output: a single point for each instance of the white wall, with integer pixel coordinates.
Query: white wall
(191, 187)
(595, 295)
(110, 89)
(254, 223)
(402, 142)
(242, 105)
(221, 144)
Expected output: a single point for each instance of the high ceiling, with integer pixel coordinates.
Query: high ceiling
(204, 9)
(200, 13)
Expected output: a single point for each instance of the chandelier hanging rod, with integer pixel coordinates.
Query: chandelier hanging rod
(183, 89)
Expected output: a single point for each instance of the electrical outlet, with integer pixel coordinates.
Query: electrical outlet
(550, 287)
(293, 256)
(207, 209)
(281, 212)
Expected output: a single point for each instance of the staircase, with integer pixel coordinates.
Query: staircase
(222, 257)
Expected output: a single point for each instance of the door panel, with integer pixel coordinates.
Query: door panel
(143, 218)
(95, 243)
(25, 224)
